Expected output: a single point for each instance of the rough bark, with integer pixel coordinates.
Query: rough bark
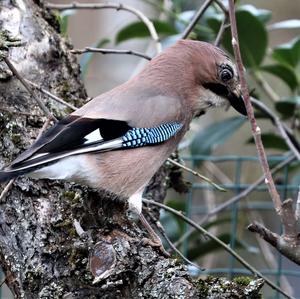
(41, 252)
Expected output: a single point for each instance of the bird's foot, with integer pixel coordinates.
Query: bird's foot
(156, 244)
(154, 240)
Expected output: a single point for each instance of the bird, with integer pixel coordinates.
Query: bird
(118, 140)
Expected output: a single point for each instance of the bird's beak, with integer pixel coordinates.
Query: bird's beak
(236, 100)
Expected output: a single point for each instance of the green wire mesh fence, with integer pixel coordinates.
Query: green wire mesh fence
(242, 171)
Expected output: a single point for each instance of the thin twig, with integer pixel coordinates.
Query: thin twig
(234, 199)
(43, 128)
(184, 258)
(116, 6)
(195, 19)
(254, 127)
(22, 80)
(8, 110)
(297, 212)
(222, 29)
(222, 6)
(2, 282)
(282, 245)
(221, 243)
(6, 189)
(162, 231)
(110, 51)
(196, 174)
(284, 130)
(265, 86)
(51, 95)
(290, 234)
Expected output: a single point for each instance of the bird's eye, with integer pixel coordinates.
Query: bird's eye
(226, 74)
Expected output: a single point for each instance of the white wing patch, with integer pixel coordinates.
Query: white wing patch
(94, 136)
(38, 156)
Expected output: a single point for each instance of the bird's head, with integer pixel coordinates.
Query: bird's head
(215, 76)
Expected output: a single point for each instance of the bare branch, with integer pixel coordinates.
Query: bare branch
(196, 174)
(222, 29)
(6, 189)
(51, 95)
(286, 248)
(116, 6)
(297, 212)
(163, 233)
(265, 86)
(110, 51)
(234, 199)
(290, 233)
(22, 80)
(254, 127)
(221, 243)
(196, 18)
(284, 130)
(265, 233)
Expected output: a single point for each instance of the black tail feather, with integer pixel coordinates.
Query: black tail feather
(8, 175)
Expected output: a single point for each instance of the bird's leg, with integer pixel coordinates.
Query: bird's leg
(135, 207)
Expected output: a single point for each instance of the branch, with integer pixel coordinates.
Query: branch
(39, 102)
(196, 174)
(278, 242)
(221, 243)
(222, 29)
(284, 130)
(162, 231)
(265, 86)
(116, 6)
(110, 51)
(290, 234)
(254, 127)
(52, 96)
(6, 189)
(297, 212)
(234, 199)
(196, 18)
(287, 244)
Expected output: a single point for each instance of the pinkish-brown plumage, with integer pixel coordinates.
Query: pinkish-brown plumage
(179, 84)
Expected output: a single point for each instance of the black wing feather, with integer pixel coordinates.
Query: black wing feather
(70, 133)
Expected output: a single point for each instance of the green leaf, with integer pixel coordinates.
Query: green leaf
(64, 19)
(283, 72)
(271, 140)
(287, 106)
(289, 53)
(287, 24)
(206, 140)
(139, 30)
(264, 15)
(87, 57)
(252, 34)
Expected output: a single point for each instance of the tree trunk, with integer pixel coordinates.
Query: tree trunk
(62, 240)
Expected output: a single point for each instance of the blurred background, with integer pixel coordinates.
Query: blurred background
(219, 144)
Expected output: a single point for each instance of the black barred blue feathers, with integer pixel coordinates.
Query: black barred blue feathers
(138, 137)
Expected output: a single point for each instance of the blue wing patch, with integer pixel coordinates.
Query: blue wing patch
(137, 137)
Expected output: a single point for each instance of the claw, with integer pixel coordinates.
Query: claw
(156, 244)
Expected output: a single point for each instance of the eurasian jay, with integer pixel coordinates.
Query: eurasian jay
(118, 140)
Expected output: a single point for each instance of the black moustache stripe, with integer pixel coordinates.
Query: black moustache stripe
(217, 88)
